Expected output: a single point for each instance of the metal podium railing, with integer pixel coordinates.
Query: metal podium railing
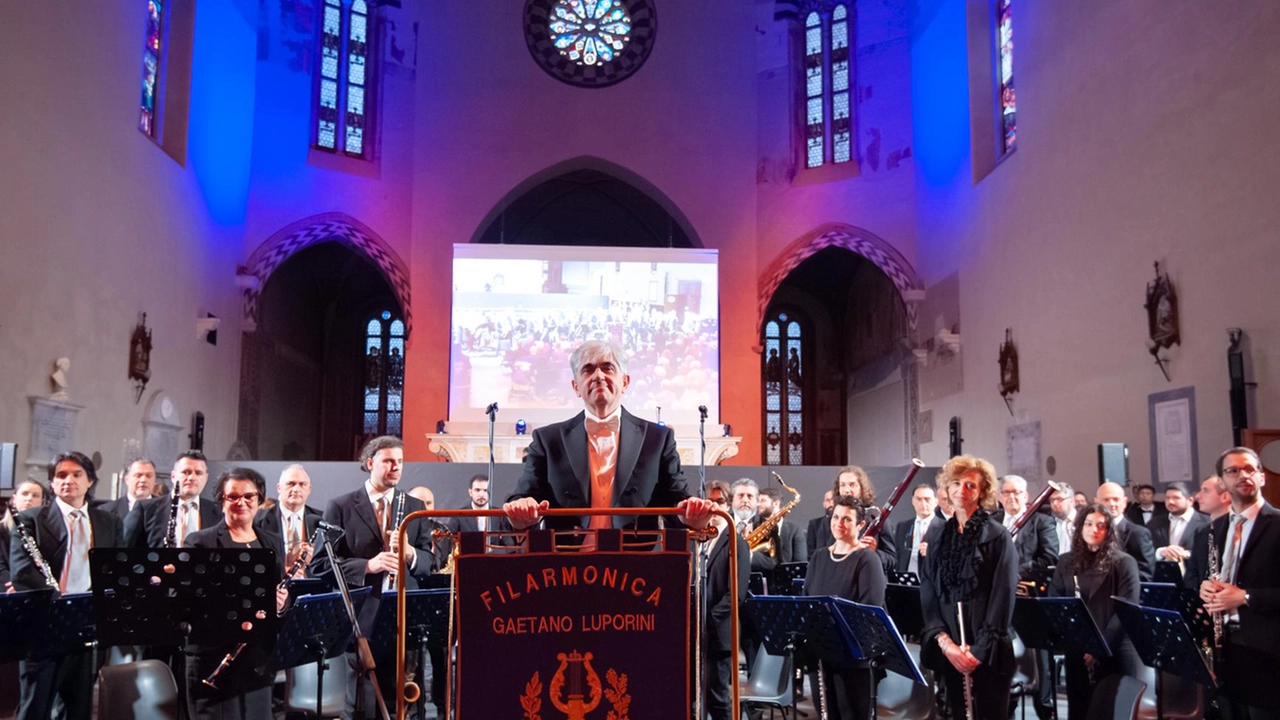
(401, 608)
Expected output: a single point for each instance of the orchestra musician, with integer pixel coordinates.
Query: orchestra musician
(241, 692)
(1095, 570)
(971, 560)
(29, 494)
(292, 519)
(850, 569)
(147, 525)
(64, 531)
(853, 480)
(720, 662)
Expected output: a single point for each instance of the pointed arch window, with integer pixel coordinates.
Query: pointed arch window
(1004, 52)
(382, 394)
(784, 404)
(342, 88)
(828, 107)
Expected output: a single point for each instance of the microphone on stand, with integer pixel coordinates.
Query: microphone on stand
(702, 457)
(492, 412)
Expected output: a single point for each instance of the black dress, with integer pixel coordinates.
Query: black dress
(857, 576)
(979, 568)
(1096, 588)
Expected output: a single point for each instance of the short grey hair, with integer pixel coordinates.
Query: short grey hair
(740, 482)
(295, 466)
(1018, 480)
(598, 349)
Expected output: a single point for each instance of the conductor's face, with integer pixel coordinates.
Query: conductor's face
(600, 383)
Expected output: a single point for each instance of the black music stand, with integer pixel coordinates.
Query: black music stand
(24, 619)
(1165, 643)
(1167, 571)
(903, 604)
(810, 623)
(878, 642)
(788, 578)
(1057, 625)
(1183, 600)
(315, 629)
(204, 596)
(426, 624)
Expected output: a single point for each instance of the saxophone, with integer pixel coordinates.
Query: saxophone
(761, 539)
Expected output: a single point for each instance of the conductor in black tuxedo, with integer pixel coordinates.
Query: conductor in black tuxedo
(139, 479)
(64, 531)
(909, 535)
(292, 519)
(366, 554)
(1133, 538)
(602, 457)
(1248, 539)
(717, 669)
(148, 522)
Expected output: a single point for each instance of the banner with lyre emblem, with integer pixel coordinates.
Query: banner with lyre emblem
(593, 635)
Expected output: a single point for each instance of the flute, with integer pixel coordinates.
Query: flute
(968, 677)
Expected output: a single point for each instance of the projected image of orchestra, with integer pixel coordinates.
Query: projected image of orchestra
(516, 321)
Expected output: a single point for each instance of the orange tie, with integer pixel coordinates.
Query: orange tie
(381, 511)
(603, 463)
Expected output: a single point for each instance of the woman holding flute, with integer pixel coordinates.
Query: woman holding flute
(967, 585)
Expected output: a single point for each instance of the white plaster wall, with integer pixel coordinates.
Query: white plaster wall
(97, 223)
(1143, 135)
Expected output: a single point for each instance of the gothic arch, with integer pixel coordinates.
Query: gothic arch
(588, 162)
(854, 239)
(327, 227)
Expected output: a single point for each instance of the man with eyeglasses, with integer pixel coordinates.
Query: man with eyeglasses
(717, 669)
(1248, 593)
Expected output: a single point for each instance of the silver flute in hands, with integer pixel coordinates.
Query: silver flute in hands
(968, 677)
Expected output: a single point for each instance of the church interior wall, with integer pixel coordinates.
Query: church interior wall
(488, 120)
(99, 224)
(1143, 137)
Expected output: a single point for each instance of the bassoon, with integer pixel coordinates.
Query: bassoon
(1035, 505)
(875, 526)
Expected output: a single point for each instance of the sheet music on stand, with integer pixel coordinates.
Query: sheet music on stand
(23, 619)
(1058, 624)
(1164, 642)
(803, 626)
(788, 578)
(315, 628)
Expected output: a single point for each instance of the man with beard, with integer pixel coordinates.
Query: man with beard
(1173, 532)
(1063, 506)
(1248, 594)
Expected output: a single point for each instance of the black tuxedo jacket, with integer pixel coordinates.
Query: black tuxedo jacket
(50, 532)
(1162, 526)
(4, 555)
(273, 521)
(362, 539)
(886, 545)
(1134, 513)
(118, 507)
(1037, 546)
(1136, 540)
(902, 538)
(146, 526)
(1252, 653)
(556, 469)
(470, 524)
(718, 597)
(818, 531)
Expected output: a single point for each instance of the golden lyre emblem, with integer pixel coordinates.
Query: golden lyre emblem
(578, 667)
(575, 690)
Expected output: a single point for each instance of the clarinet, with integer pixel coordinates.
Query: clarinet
(212, 680)
(395, 528)
(1215, 574)
(171, 533)
(29, 544)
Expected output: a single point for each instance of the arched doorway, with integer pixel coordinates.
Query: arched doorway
(322, 365)
(837, 317)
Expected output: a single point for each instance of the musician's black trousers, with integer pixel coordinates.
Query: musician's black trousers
(1125, 661)
(717, 679)
(69, 677)
(990, 688)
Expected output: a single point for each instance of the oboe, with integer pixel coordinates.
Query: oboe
(171, 533)
(968, 677)
(29, 544)
(302, 560)
(395, 528)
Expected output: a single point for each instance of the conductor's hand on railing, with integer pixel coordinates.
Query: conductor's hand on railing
(525, 512)
(696, 512)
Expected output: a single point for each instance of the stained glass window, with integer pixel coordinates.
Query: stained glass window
(589, 32)
(1004, 47)
(840, 123)
(382, 401)
(783, 390)
(828, 108)
(815, 112)
(342, 89)
(151, 64)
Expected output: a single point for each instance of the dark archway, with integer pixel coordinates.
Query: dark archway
(587, 202)
(306, 359)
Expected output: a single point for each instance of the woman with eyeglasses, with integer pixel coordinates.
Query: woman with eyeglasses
(847, 568)
(1095, 570)
(970, 576)
(240, 692)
